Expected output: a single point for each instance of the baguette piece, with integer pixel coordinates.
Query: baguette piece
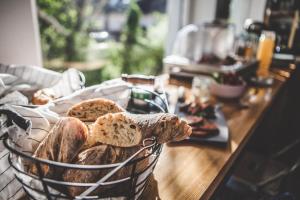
(103, 154)
(62, 144)
(90, 110)
(115, 129)
(127, 130)
(165, 127)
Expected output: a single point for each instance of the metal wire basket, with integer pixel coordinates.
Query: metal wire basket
(131, 186)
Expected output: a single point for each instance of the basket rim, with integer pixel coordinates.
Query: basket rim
(78, 184)
(76, 166)
(6, 142)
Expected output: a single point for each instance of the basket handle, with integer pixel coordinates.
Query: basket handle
(163, 99)
(152, 141)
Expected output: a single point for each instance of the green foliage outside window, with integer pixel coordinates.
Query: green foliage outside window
(63, 29)
(139, 52)
(64, 26)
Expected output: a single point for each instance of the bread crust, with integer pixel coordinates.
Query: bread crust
(165, 127)
(104, 154)
(62, 144)
(90, 110)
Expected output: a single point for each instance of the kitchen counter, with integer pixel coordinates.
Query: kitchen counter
(194, 171)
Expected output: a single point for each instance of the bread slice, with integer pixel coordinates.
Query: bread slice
(90, 110)
(115, 129)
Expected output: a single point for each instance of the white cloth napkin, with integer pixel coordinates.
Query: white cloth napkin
(37, 127)
(28, 79)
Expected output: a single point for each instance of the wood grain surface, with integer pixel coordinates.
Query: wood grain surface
(194, 171)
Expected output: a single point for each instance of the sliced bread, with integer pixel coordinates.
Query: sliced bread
(115, 129)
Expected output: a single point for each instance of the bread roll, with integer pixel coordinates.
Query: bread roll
(62, 144)
(115, 129)
(43, 96)
(103, 154)
(90, 110)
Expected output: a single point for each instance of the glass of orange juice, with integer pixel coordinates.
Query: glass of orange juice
(265, 53)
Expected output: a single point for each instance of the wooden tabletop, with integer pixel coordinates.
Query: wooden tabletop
(194, 171)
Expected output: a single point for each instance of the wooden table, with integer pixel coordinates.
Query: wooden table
(194, 171)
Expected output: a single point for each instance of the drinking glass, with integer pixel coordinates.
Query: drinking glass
(265, 53)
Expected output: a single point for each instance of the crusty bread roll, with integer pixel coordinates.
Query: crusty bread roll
(62, 144)
(43, 96)
(103, 154)
(115, 129)
(90, 110)
(96, 155)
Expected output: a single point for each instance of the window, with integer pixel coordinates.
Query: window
(103, 38)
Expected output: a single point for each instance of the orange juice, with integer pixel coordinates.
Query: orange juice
(265, 52)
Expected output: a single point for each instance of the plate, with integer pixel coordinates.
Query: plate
(220, 121)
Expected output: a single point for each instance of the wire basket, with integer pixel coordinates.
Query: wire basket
(138, 168)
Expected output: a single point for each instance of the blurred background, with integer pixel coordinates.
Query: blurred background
(104, 38)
